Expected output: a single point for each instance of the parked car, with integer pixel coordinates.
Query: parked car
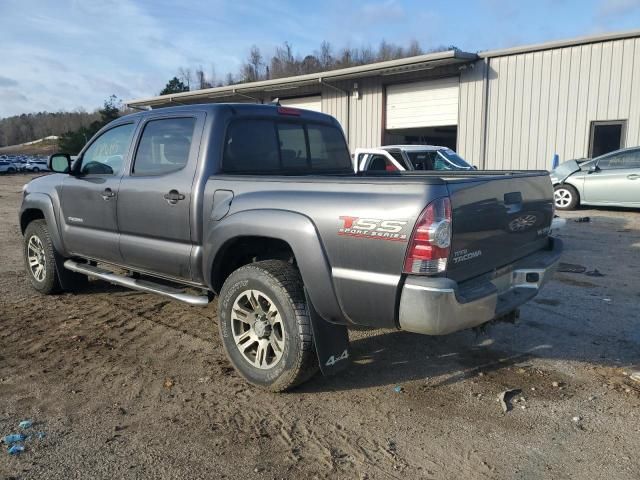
(609, 180)
(259, 205)
(392, 158)
(36, 166)
(19, 163)
(7, 167)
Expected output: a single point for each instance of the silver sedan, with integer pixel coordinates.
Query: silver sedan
(610, 180)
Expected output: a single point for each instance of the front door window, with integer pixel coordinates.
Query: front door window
(105, 156)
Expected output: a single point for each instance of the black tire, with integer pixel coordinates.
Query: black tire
(565, 197)
(11, 170)
(35, 170)
(57, 278)
(280, 285)
(38, 233)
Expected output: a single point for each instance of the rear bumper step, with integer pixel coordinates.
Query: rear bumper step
(438, 306)
(136, 284)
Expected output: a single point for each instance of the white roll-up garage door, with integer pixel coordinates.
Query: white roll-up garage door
(307, 103)
(428, 103)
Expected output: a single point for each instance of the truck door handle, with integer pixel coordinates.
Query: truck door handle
(108, 194)
(633, 176)
(173, 196)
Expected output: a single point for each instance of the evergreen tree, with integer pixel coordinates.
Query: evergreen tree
(174, 86)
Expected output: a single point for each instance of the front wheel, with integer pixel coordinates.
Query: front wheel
(35, 170)
(39, 258)
(565, 197)
(265, 325)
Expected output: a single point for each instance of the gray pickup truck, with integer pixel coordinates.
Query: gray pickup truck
(259, 205)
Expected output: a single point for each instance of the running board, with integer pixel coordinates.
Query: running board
(136, 284)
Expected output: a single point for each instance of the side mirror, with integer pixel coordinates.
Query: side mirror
(59, 163)
(594, 168)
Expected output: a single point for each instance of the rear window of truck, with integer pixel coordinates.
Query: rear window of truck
(254, 146)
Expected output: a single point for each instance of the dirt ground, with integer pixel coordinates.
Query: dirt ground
(131, 385)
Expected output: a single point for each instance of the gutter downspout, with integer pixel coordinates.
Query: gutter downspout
(485, 113)
(173, 100)
(347, 95)
(236, 92)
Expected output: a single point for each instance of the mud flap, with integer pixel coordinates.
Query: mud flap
(331, 342)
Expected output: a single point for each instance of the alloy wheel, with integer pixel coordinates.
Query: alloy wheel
(258, 329)
(37, 258)
(562, 197)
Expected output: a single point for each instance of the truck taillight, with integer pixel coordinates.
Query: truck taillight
(429, 245)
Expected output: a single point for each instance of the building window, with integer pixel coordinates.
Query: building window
(606, 137)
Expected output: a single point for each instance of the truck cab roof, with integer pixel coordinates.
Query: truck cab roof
(414, 148)
(244, 109)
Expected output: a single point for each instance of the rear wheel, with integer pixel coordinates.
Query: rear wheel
(11, 170)
(265, 325)
(565, 197)
(35, 170)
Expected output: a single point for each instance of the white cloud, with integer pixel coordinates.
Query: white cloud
(383, 11)
(617, 8)
(99, 48)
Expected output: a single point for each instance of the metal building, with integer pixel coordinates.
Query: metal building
(503, 109)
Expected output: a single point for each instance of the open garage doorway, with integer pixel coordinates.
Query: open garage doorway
(446, 136)
(424, 112)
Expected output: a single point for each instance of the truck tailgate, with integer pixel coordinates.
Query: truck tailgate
(497, 220)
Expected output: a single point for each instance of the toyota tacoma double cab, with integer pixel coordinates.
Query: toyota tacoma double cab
(259, 206)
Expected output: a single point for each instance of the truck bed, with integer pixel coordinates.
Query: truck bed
(498, 217)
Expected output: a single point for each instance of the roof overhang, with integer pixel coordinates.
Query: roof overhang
(605, 37)
(248, 90)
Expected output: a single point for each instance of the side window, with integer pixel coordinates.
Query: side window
(628, 159)
(327, 148)
(265, 146)
(397, 156)
(632, 159)
(105, 156)
(423, 160)
(251, 146)
(380, 163)
(293, 146)
(164, 146)
(608, 163)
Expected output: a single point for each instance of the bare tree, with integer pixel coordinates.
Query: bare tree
(325, 55)
(285, 63)
(185, 76)
(413, 49)
(310, 64)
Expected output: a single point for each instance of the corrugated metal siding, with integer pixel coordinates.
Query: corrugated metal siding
(313, 103)
(541, 103)
(471, 112)
(335, 103)
(366, 114)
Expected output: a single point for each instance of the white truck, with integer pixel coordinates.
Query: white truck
(400, 158)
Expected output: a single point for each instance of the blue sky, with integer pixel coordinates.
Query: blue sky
(69, 54)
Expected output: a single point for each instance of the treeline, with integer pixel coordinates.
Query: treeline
(32, 126)
(77, 127)
(284, 62)
(72, 141)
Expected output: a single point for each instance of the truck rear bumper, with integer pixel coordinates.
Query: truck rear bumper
(438, 306)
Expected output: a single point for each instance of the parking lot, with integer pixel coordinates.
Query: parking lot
(129, 385)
